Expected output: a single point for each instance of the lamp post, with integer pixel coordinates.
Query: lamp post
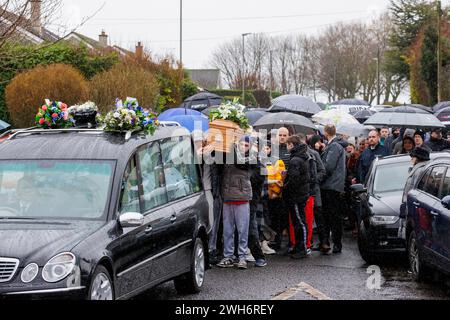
(181, 34)
(243, 67)
(439, 52)
(377, 59)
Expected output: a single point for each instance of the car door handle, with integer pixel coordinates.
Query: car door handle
(434, 213)
(173, 218)
(148, 230)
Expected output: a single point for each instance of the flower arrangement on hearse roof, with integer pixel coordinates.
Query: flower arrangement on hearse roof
(54, 115)
(227, 125)
(129, 116)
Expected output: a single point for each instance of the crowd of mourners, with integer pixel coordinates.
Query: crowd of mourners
(278, 189)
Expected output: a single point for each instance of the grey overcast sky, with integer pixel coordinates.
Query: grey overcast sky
(208, 23)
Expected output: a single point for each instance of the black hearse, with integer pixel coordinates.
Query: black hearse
(99, 215)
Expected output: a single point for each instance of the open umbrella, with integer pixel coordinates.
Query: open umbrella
(4, 126)
(322, 105)
(202, 101)
(335, 117)
(443, 115)
(351, 102)
(404, 117)
(295, 104)
(354, 130)
(421, 107)
(441, 105)
(192, 122)
(350, 105)
(168, 114)
(254, 115)
(363, 115)
(297, 123)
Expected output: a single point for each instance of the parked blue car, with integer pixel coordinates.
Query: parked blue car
(428, 220)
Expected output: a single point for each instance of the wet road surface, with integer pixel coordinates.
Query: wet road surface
(335, 277)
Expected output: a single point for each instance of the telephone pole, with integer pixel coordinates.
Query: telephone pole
(439, 55)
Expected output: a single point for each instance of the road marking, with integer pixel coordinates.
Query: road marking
(302, 287)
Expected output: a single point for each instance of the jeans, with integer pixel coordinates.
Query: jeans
(236, 217)
(332, 218)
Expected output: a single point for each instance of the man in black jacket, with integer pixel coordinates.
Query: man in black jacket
(437, 143)
(368, 156)
(296, 192)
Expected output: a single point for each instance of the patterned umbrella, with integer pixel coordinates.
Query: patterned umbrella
(335, 117)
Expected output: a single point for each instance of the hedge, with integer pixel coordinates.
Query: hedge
(16, 58)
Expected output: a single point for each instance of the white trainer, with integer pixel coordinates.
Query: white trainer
(266, 249)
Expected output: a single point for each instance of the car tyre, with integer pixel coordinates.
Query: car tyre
(101, 287)
(363, 247)
(417, 267)
(192, 282)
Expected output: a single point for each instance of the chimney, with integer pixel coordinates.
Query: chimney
(103, 39)
(139, 51)
(36, 23)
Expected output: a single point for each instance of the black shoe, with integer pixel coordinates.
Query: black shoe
(325, 249)
(337, 249)
(288, 252)
(316, 247)
(298, 255)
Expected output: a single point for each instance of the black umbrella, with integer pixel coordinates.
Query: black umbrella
(404, 117)
(421, 107)
(202, 101)
(208, 110)
(295, 104)
(4, 126)
(441, 105)
(297, 123)
(253, 115)
(362, 115)
(350, 102)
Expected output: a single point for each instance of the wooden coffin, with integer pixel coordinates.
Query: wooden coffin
(223, 134)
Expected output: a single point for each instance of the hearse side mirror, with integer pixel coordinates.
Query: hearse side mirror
(446, 202)
(358, 188)
(131, 220)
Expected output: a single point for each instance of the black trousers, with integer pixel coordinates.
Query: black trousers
(253, 234)
(279, 218)
(298, 220)
(330, 220)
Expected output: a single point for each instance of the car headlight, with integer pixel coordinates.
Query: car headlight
(58, 267)
(29, 273)
(384, 220)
